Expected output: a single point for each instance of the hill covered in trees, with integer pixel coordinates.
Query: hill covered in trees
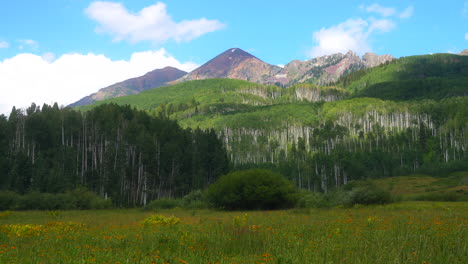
(116, 151)
(400, 117)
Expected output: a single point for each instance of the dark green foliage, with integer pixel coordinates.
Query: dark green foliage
(366, 193)
(337, 197)
(417, 77)
(252, 189)
(8, 200)
(79, 198)
(430, 88)
(164, 203)
(116, 151)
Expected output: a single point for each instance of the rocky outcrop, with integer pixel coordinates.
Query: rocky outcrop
(372, 60)
(464, 52)
(327, 69)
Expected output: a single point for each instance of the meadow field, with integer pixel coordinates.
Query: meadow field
(409, 232)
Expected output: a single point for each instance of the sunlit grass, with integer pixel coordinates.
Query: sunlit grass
(416, 232)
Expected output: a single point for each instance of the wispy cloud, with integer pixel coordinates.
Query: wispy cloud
(72, 76)
(152, 23)
(4, 45)
(381, 10)
(466, 36)
(24, 43)
(407, 13)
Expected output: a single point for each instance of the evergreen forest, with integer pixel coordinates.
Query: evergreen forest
(120, 153)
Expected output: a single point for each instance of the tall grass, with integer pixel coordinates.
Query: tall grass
(416, 232)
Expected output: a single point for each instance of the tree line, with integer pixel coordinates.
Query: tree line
(121, 153)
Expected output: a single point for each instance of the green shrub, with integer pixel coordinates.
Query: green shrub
(31, 201)
(194, 200)
(312, 200)
(8, 200)
(164, 203)
(79, 198)
(82, 198)
(334, 198)
(367, 193)
(252, 189)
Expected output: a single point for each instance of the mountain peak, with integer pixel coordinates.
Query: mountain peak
(233, 63)
(230, 57)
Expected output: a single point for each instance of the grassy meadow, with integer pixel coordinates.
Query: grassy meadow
(409, 232)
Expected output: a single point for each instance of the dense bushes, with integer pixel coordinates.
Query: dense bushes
(193, 200)
(79, 198)
(165, 203)
(367, 193)
(252, 189)
(356, 193)
(8, 200)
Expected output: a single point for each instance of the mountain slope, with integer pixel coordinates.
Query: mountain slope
(153, 79)
(234, 64)
(415, 77)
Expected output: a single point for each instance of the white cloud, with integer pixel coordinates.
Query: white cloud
(28, 78)
(381, 10)
(349, 35)
(4, 44)
(466, 36)
(407, 13)
(151, 23)
(353, 34)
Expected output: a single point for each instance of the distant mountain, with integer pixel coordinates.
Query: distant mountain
(153, 79)
(464, 52)
(238, 64)
(234, 64)
(327, 69)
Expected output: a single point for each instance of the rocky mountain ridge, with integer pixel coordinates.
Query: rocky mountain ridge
(327, 69)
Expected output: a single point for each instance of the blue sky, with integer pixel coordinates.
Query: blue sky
(62, 50)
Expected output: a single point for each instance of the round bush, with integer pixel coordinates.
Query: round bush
(252, 189)
(369, 194)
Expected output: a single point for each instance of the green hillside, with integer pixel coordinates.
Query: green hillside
(417, 77)
(322, 137)
(453, 187)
